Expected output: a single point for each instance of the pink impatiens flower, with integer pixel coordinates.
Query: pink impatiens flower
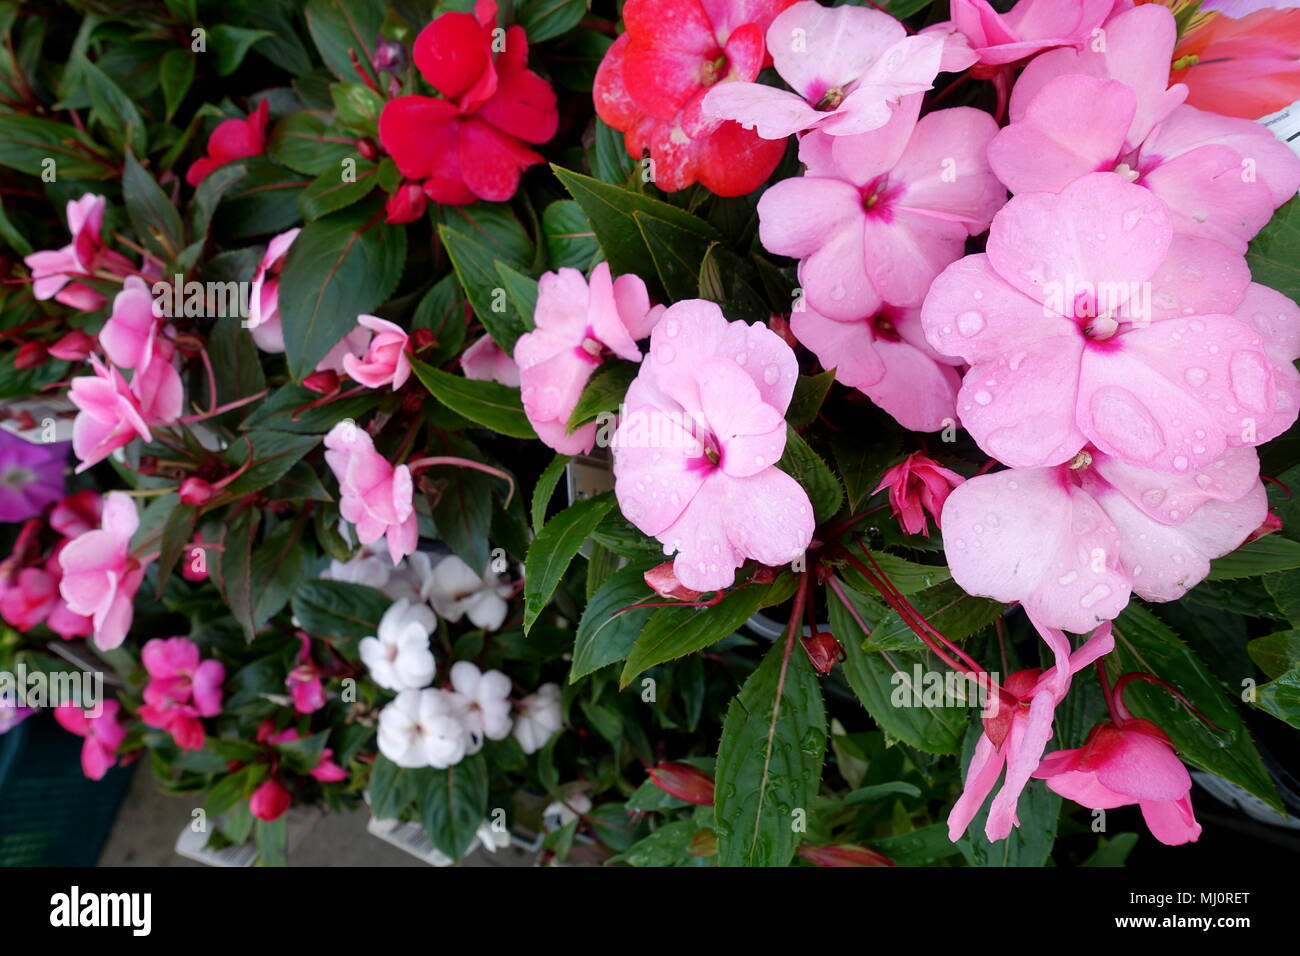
(487, 361)
(375, 496)
(233, 139)
(1028, 27)
(577, 326)
(55, 272)
(385, 360)
(877, 216)
(132, 338)
(264, 294)
(849, 68)
(916, 486)
(695, 452)
(1071, 543)
(104, 734)
(1017, 727)
(100, 577)
(110, 415)
(1089, 321)
(1130, 761)
(181, 689)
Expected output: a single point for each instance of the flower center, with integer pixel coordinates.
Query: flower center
(17, 477)
(713, 70)
(830, 99)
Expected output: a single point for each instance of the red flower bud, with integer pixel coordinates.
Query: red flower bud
(368, 148)
(322, 383)
(763, 575)
(781, 326)
(422, 339)
(196, 491)
(405, 205)
(684, 782)
(1271, 523)
(269, 801)
(663, 581)
(842, 854)
(823, 650)
(73, 347)
(31, 354)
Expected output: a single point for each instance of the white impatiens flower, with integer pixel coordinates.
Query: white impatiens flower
(399, 657)
(481, 702)
(364, 567)
(420, 729)
(455, 591)
(563, 812)
(539, 716)
(408, 580)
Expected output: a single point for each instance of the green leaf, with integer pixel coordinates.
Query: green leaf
(1274, 254)
(806, 467)
(330, 192)
(490, 404)
(553, 550)
(907, 576)
(454, 803)
(1262, 556)
(339, 267)
(769, 760)
(274, 453)
(545, 489)
(521, 290)
(666, 846)
(1143, 643)
(113, 108)
(604, 393)
(307, 143)
(475, 266)
(463, 512)
(677, 251)
(343, 27)
(234, 788)
(231, 44)
(285, 410)
(28, 143)
(327, 608)
(358, 107)
(278, 566)
(809, 393)
(544, 19)
(1281, 697)
(176, 73)
(153, 217)
(264, 200)
(304, 754)
(442, 312)
(1275, 653)
(674, 632)
(570, 240)
(391, 789)
(861, 465)
(954, 614)
(177, 533)
(232, 567)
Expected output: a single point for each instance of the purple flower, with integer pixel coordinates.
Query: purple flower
(11, 715)
(31, 476)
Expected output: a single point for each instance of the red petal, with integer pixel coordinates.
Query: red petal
(491, 160)
(661, 80)
(745, 51)
(613, 103)
(416, 131)
(450, 53)
(671, 24)
(524, 106)
(236, 139)
(735, 161)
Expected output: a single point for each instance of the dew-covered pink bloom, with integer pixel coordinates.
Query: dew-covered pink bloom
(1028, 27)
(384, 359)
(264, 294)
(578, 325)
(103, 735)
(1017, 727)
(848, 66)
(877, 216)
(1072, 543)
(1220, 177)
(375, 496)
(696, 449)
(486, 361)
(100, 577)
(887, 358)
(1131, 761)
(55, 271)
(181, 689)
(1087, 320)
(110, 415)
(918, 485)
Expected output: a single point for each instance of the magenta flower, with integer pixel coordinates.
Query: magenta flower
(1071, 542)
(1088, 321)
(100, 577)
(577, 327)
(181, 689)
(487, 361)
(269, 801)
(375, 496)
(384, 360)
(916, 486)
(696, 449)
(1028, 27)
(31, 595)
(849, 68)
(887, 358)
(876, 217)
(264, 295)
(1220, 177)
(110, 415)
(104, 734)
(55, 272)
(304, 681)
(77, 513)
(1017, 727)
(31, 476)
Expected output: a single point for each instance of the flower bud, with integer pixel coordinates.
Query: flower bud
(30, 355)
(73, 347)
(842, 854)
(367, 148)
(405, 205)
(322, 383)
(823, 650)
(422, 339)
(196, 491)
(1271, 523)
(663, 581)
(269, 801)
(684, 782)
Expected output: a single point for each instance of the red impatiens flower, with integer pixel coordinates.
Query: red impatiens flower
(471, 144)
(232, 139)
(651, 82)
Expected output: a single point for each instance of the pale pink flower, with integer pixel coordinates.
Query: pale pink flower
(104, 734)
(55, 271)
(384, 360)
(695, 452)
(1072, 543)
(1017, 727)
(110, 415)
(1087, 320)
(487, 361)
(849, 67)
(916, 486)
(264, 295)
(877, 216)
(350, 346)
(130, 336)
(1028, 27)
(375, 496)
(886, 357)
(100, 577)
(577, 326)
